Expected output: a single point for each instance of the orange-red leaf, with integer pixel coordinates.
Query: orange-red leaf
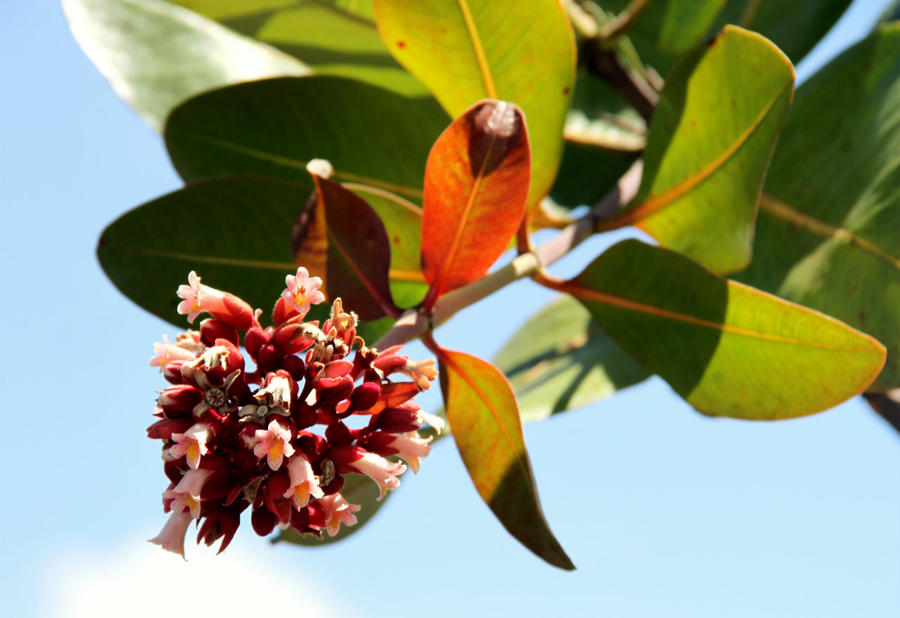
(484, 417)
(358, 251)
(476, 184)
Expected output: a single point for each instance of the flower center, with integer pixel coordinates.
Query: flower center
(215, 397)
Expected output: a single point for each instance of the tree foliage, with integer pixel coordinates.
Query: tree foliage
(456, 129)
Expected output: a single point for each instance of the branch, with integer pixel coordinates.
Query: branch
(414, 323)
(623, 21)
(887, 405)
(607, 64)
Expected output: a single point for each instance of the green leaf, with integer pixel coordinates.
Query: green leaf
(274, 127)
(358, 489)
(333, 37)
(470, 50)
(561, 360)
(666, 29)
(482, 412)
(233, 231)
(709, 145)
(155, 54)
(728, 349)
(829, 225)
(795, 26)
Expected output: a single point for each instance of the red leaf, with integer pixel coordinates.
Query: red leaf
(358, 253)
(476, 184)
(484, 417)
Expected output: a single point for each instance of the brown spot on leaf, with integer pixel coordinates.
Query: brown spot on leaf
(495, 129)
(401, 44)
(566, 91)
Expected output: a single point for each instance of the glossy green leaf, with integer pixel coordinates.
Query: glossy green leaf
(666, 29)
(560, 360)
(274, 127)
(482, 412)
(334, 37)
(470, 50)
(358, 489)
(829, 225)
(728, 349)
(156, 55)
(476, 184)
(233, 231)
(795, 26)
(709, 145)
(358, 253)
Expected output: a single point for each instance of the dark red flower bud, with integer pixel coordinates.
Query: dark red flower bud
(212, 329)
(263, 521)
(364, 396)
(163, 430)
(397, 420)
(293, 338)
(179, 399)
(255, 339)
(221, 522)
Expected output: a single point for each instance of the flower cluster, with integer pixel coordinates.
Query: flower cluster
(273, 437)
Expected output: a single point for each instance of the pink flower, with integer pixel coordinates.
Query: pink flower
(302, 291)
(411, 447)
(303, 482)
(190, 444)
(171, 537)
(191, 305)
(167, 352)
(380, 470)
(223, 306)
(274, 443)
(185, 496)
(337, 511)
(227, 431)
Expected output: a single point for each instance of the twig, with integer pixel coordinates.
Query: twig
(623, 21)
(607, 64)
(887, 405)
(414, 323)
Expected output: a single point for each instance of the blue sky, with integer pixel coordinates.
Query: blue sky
(665, 512)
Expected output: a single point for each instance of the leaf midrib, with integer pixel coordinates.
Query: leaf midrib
(301, 165)
(662, 200)
(394, 274)
(782, 210)
(448, 359)
(484, 67)
(582, 292)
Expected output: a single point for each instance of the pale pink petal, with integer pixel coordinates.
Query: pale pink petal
(411, 447)
(338, 511)
(273, 443)
(186, 493)
(302, 291)
(166, 352)
(190, 306)
(171, 537)
(436, 422)
(191, 443)
(303, 481)
(380, 470)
